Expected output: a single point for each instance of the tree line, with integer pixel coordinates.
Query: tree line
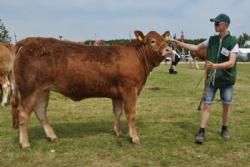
(4, 34)
(5, 38)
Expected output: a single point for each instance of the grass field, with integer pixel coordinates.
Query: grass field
(167, 121)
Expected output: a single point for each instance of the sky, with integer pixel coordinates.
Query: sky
(81, 20)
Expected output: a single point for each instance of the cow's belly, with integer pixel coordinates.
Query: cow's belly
(78, 91)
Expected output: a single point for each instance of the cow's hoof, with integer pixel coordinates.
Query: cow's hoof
(53, 140)
(118, 133)
(136, 141)
(25, 146)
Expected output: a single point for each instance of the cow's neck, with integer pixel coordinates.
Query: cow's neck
(149, 58)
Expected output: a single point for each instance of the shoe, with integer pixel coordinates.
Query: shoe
(200, 138)
(225, 134)
(175, 72)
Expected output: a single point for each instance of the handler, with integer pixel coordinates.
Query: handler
(221, 59)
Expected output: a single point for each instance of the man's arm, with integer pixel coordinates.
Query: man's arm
(228, 64)
(191, 47)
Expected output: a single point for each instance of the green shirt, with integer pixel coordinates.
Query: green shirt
(218, 51)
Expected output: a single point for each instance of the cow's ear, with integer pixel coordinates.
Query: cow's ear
(139, 35)
(166, 33)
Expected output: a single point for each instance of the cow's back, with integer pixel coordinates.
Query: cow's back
(6, 58)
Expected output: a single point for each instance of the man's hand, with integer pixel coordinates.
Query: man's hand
(211, 66)
(175, 42)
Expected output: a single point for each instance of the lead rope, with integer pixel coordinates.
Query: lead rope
(208, 79)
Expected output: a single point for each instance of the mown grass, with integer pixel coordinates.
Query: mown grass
(167, 121)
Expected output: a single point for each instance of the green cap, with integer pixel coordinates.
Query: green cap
(221, 18)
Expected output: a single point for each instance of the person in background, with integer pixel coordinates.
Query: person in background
(99, 43)
(221, 62)
(175, 58)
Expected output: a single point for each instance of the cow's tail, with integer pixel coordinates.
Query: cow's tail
(15, 98)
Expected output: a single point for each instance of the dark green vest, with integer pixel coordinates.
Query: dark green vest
(218, 53)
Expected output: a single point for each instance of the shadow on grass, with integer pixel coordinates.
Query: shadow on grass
(79, 129)
(98, 128)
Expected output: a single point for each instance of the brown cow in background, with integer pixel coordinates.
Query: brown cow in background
(200, 54)
(6, 62)
(76, 71)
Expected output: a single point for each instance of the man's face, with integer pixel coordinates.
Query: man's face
(220, 26)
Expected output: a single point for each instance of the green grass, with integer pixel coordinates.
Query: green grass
(167, 121)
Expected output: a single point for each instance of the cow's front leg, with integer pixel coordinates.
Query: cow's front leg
(117, 110)
(130, 110)
(41, 113)
(131, 113)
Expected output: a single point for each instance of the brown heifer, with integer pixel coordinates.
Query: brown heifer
(200, 54)
(76, 71)
(6, 62)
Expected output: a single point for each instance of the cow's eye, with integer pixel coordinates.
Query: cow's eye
(153, 41)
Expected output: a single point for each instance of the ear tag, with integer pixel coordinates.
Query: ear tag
(139, 38)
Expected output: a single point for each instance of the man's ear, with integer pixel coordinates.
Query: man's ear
(139, 35)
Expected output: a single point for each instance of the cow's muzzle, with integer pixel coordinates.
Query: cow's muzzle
(167, 52)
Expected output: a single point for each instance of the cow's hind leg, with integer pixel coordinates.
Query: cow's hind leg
(6, 90)
(41, 113)
(117, 109)
(23, 126)
(130, 97)
(25, 108)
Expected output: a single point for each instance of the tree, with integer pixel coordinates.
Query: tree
(4, 34)
(243, 38)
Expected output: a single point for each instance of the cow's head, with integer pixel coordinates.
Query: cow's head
(155, 41)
